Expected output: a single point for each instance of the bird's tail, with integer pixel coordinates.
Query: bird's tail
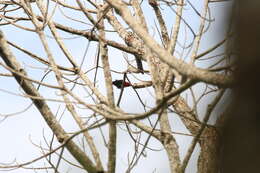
(139, 64)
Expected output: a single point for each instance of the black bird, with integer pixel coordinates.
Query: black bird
(121, 83)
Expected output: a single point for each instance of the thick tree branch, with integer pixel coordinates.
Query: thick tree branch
(183, 68)
(43, 108)
(110, 94)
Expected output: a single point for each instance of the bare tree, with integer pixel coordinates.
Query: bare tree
(156, 48)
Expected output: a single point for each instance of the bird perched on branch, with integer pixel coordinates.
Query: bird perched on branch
(139, 64)
(132, 39)
(120, 83)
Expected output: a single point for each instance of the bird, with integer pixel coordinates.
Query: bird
(120, 83)
(131, 39)
(139, 64)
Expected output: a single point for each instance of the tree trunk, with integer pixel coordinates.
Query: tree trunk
(208, 161)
